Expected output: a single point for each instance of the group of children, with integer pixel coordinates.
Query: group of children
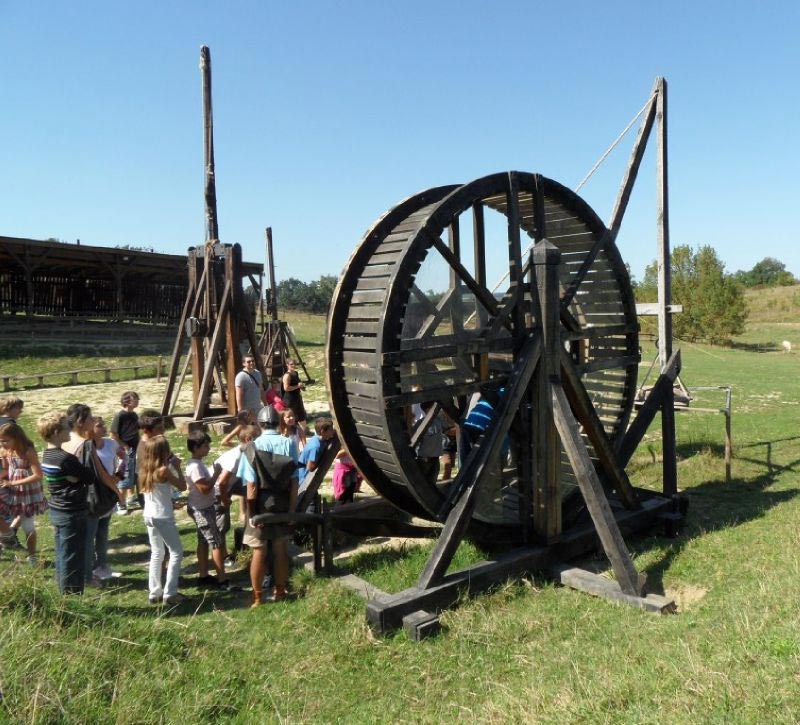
(89, 475)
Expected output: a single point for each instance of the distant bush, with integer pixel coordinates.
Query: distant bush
(769, 272)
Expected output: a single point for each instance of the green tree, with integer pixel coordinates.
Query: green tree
(313, 296)
(713, 302)
(769, 272)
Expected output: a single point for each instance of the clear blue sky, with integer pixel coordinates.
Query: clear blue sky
(328, 113)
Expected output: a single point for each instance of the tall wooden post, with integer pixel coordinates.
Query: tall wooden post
(212, 226)
(670, 470)
(273, 287)
(547, 491)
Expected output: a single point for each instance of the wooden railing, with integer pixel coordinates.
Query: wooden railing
(11, 382)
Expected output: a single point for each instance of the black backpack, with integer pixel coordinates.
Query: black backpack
(274, 475)
(101, 498)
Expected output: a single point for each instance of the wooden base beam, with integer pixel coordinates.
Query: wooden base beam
(598, 586)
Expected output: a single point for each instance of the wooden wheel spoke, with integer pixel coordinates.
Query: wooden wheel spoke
(483, 294)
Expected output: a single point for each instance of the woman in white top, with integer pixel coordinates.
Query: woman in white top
(157, 478)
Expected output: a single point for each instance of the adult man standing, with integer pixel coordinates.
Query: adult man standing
(283, 499)
(249, 387)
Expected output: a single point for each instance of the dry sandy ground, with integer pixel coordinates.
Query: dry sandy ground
(103, 398)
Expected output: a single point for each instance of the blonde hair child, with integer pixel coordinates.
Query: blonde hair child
(157, 478)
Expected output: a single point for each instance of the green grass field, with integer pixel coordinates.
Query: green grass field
(529, 651)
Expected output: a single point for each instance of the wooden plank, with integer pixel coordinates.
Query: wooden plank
(362, 588)
(421, 625)
(351, 342)
(447, 391)
(652, 309)
(365, 389)
(365, 312)
(355, 327)
(360, 358)
(607, 363)
(630, 581)
(599, 586)
(637, 153)
(483, 295)
(361, 297)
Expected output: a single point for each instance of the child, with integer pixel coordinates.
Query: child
(429, 447)
(105, 494)
(231, 485)
(67, 481)
(346, 478)
(273, 395)
(311, 453)
(10, 409)
(112, 456)
(125, 431)
(21, 494)
(243, 418)
(156, 480)
(290, 429)
(202, 509)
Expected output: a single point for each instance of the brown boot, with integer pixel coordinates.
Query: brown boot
(279, 594)
(256, 598)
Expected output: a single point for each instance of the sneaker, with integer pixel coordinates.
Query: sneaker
(131, 502)
(174, 600)
(122, 510)
(230, 560)
(103, 572)
(153, 601)
(228, 586)
(33, 560)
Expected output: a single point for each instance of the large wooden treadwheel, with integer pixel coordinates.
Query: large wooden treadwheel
(393, 345)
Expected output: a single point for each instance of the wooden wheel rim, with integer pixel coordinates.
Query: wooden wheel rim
(374, 293)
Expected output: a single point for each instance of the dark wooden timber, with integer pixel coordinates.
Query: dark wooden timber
(630, 581)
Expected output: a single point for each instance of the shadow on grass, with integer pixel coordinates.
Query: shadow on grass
(716, 505)
(755, 346)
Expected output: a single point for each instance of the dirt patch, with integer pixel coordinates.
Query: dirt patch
(102, 398)
(687, 596)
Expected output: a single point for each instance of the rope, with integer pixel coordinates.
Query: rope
(578, 188)
(613, 146)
